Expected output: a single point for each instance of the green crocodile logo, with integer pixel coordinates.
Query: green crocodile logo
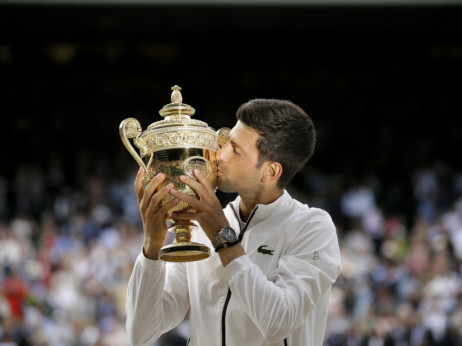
(262, 250)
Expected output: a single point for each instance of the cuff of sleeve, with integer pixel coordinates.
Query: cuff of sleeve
(237, 266)
(149, 264)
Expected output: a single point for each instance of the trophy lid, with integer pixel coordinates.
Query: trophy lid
(177, 108)
(177, 112)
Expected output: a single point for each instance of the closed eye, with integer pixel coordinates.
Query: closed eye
(234, 146)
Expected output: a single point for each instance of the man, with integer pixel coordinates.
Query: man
(267, 285)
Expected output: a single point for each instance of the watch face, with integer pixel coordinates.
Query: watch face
(226, 237)
(228, 234)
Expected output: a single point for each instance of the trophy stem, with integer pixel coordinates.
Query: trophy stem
(183, 249)
(182, 230)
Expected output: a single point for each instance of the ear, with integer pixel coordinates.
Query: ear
(272, 171)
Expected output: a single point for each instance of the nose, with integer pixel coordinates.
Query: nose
(223, 153)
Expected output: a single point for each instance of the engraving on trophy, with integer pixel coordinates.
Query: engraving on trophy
(161, 156)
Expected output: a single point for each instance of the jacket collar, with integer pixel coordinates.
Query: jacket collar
(262, 211)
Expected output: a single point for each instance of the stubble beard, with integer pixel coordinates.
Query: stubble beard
(225, 185)
(239, 185)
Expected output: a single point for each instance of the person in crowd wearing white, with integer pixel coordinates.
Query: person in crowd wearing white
(269, 280)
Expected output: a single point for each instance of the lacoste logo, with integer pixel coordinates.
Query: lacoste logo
(262, 250)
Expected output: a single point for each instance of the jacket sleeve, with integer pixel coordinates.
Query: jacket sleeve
(157, 299)
(281, 300)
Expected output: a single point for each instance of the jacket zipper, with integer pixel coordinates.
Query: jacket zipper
(228, 296)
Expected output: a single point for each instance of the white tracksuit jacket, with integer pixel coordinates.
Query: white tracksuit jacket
(277, 294)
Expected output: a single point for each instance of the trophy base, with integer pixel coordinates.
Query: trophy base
(184, 252)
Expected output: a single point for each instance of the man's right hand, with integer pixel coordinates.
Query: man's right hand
(152, 214)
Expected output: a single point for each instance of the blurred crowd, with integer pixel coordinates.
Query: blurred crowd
(401, 282)
(66, 255)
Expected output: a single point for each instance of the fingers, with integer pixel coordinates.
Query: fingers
(201, 178)
(139, 184)
(193, 183)
(201, 185)
(150, 191)
(154, 202)
(162, 212)
(191, 200)
(206, 197)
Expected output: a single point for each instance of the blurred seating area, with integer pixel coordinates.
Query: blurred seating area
(66, 256)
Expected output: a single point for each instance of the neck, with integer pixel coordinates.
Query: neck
(248, 203)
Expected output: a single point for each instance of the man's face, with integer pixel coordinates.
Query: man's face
(237, 170)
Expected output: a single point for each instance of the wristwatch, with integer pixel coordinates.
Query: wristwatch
(225, 238)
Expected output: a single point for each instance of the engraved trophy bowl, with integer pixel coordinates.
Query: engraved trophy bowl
(176, 146)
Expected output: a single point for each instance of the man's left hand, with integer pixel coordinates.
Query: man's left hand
(209, 212)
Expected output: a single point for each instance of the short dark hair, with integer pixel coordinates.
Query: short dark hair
(287, 134)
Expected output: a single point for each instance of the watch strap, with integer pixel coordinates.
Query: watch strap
(225, 245)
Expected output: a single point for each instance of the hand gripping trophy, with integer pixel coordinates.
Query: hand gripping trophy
(176, 146)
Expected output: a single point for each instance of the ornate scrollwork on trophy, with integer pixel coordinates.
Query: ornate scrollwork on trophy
(133, 128)
(161, 139)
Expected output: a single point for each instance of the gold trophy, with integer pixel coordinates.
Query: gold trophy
(176, 146)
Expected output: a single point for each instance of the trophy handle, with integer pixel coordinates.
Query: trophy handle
(131, 128)
(197, 162)
(223, 136)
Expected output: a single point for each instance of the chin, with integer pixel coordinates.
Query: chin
(224, 187)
